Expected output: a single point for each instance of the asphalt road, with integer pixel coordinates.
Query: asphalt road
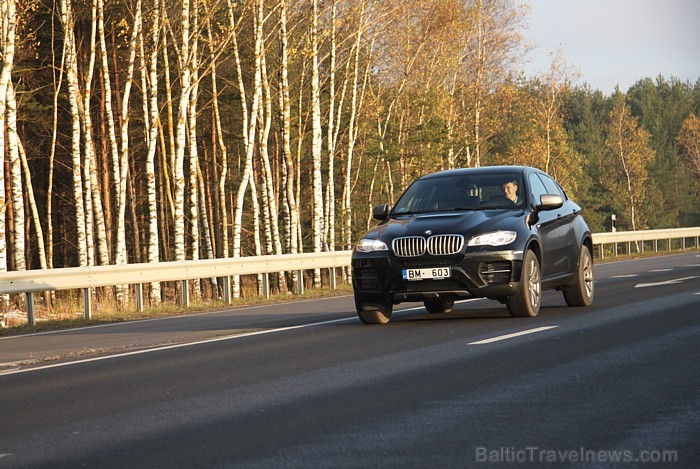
(306, 385)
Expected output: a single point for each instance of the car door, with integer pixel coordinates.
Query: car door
(561, 247)
(552, 230)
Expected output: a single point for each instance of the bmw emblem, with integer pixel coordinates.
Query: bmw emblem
(428, 232)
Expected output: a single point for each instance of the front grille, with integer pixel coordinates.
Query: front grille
(495, 272)
(444, 245)
(438, 245)
(412, 246)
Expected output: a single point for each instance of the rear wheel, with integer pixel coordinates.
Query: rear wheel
(373, 313)
(439, 306)
(581, 292)
(526, 302)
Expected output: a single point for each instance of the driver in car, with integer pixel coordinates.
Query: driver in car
(510, 190)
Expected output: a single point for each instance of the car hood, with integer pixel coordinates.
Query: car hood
(462, 222)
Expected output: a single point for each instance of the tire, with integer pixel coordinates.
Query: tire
(581, 293)
(526, 302)
(373, 313)
(439, 306)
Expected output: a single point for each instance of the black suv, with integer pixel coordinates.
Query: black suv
(505, 233)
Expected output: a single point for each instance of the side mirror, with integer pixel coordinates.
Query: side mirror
(549, 202)
(381, 212)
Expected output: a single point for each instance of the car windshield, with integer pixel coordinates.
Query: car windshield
(462, 192)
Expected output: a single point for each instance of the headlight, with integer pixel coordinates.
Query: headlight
(497, 238)
(371, 245)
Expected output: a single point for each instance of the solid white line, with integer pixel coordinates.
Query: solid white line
(175, 346)
(624, 276)
(510, 336)
(667, 282)
(661, 270)
(223, 309)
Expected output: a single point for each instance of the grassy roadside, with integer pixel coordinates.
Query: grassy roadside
(103, 314)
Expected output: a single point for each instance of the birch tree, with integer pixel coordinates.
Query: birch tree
(316, 144)
(8, 15)
(285, 110)
(67, 20)
(249, 120)
(152, 143)
(16, 189)
(628, 146)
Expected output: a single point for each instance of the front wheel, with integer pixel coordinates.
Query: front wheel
(581, 292)
(526, 302)
(373, 313)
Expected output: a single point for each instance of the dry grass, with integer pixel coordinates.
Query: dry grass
(66, 311)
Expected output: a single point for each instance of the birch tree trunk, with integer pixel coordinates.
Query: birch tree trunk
(223, 213)
(329, 223)
(285, 107)
(316, 145)
(8, 14)
(181, 133)
(73, 96)
(193, 153)
(152, 141)
(17, 194)
(33, 207)
(269, 196)
(249, 126)
(352, 137)
(121, 254)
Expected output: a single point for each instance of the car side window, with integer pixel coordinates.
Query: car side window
(536, 188)
(552, 187)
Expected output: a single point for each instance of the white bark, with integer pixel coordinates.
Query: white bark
(285, 106)
(316, 145)
(73, 96)
(8, 11)
(17, 195)
(249, 128)
(223, 176)
(193, 152)
(153, 122)
(180, 140)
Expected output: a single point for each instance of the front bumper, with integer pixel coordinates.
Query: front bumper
(378, 278)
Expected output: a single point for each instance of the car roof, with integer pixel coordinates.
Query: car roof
(483, 170)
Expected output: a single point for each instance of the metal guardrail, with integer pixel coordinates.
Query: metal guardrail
(655, 236)
(87, 278)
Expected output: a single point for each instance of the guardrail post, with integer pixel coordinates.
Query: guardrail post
(87, 303)
(266, 285)
(301, 282)
(332, 278)
(139, 297)
(227, 290)
(31, 318)
(185, 294)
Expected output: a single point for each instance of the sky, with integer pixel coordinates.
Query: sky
(616, 42)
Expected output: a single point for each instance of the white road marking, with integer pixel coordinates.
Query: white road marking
(661, 270)
(176, 346)
(624, 276)
(667, 282)
(692, 265)
(510, 336)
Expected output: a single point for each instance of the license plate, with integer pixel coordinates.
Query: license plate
(432, 273)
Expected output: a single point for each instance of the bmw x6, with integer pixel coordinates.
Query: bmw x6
(505, 233)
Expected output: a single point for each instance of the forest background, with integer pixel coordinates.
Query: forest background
(157, 130)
